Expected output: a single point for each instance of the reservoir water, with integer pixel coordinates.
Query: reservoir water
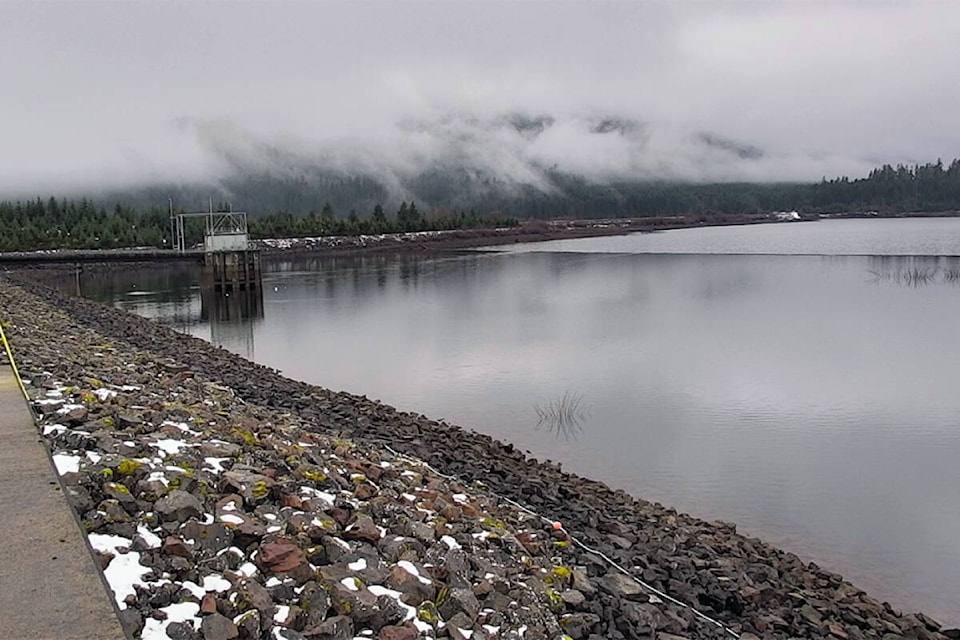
(812, 399)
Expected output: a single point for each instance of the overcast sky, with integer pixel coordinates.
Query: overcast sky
(111, 92)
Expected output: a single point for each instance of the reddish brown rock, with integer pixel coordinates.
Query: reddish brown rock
(364, 492)
(280, 556)
(208, 604)
(175, 546)
(290, 500)
(362, 528)
(341, 516)
(398, 633)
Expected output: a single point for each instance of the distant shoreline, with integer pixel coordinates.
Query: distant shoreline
(532, 231)
(450, 240)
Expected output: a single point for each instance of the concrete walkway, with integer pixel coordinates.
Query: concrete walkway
(49, 584)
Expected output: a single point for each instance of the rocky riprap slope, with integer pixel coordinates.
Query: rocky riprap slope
(229, 501)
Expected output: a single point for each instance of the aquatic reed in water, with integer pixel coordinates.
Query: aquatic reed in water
(911, 277)
(951, 275)
(563, 415)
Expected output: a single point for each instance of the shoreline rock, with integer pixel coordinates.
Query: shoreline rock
(232, 423)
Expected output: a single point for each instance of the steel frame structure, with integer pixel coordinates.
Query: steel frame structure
(217, 224)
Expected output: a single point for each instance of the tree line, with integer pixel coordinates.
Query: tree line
(887, 189)
(281, 207)
(80, 224)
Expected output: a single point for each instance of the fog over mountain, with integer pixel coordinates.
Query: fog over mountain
(518, 147)
(107, 97)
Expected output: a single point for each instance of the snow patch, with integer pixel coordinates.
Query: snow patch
(150, 538)
(410, 568)
(215, 463)
(67, 408)
(170, 446)
(66, 463)
(451, 542)
(216, 582)
(180, 612)
(124, 570)
(323, 495)
(104, 394)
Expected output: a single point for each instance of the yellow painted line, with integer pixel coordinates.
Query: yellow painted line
(13, 363)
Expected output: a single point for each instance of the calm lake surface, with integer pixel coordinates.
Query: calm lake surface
(811, 399)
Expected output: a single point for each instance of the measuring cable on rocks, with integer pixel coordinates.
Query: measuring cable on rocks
(559, 527)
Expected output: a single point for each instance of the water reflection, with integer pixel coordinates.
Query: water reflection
(915, 271)
(231, 317)
(563, 416)
(173, 295)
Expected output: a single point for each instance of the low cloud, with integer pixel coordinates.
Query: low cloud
(110, 95)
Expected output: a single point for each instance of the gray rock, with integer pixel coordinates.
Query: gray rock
(181, 631)
(121, 494)
(578, 625)
(623, 587)
(218, 627)
(582, 583)
(396, 548)
(361, 605)
(253, 487)
(390, 613)
(179, 506)
(248, 624)
(208, 537)
(257, 595)
(619, 541)
(459, 601)
(80, 499)
(497, 601)
(131, 621)
(421, 531)
(126, 420)
(573, 598)
(643, 618)
(460, 627)
(335, 628)
(457, 564)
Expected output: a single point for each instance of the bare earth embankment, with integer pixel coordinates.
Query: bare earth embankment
(531, 231)
(229, 501)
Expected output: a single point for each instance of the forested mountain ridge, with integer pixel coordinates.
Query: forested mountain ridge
(333, 203)
(928, 187)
